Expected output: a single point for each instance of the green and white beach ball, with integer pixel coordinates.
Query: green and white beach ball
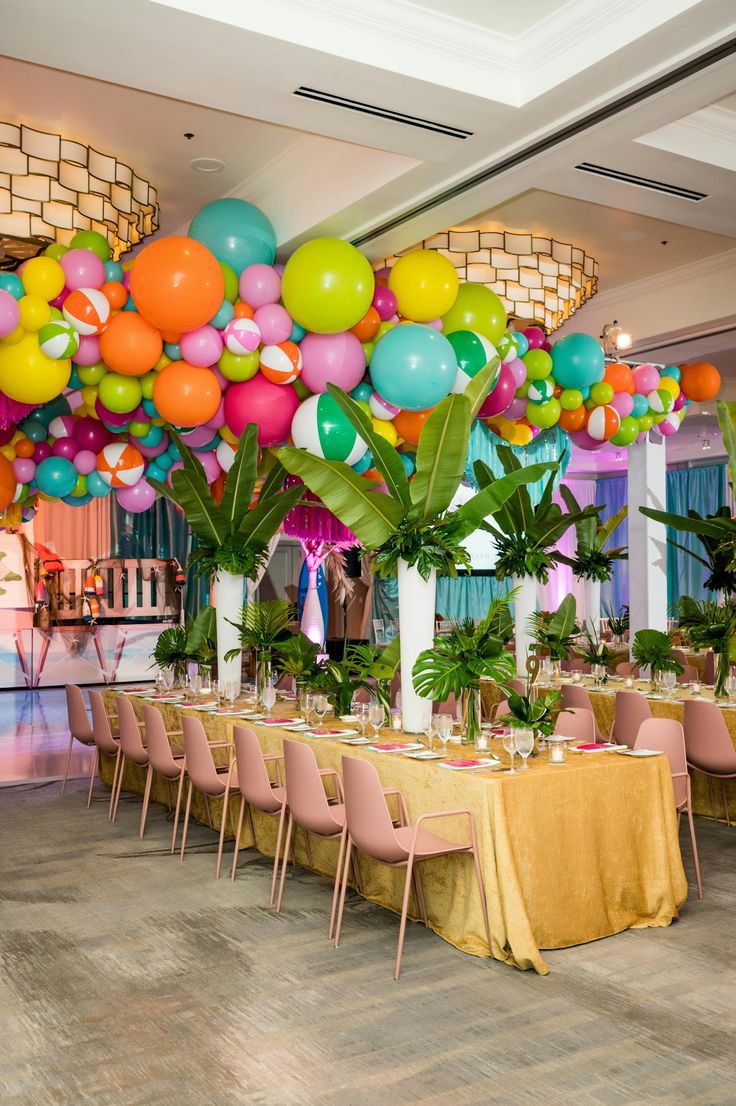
(320, 427)
(473, 352)
(58, 339)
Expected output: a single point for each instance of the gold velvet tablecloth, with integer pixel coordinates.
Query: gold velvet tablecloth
(569, 853)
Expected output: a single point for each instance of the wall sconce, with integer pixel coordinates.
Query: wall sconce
(615, 339)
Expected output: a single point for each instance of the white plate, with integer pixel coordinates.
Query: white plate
(639, 752)
(356, 740)
(349, 718)
(425, 754)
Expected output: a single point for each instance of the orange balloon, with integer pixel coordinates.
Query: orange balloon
(368, 326)
(24, 448)
(177, 284)
(409, 424)
(115, 293)
(7, 483)
(573, 420)
(130, 345)
(243, 310)
(700, 381)
(186, 395)
(619, 377)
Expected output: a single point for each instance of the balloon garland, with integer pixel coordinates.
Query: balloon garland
(206, 333)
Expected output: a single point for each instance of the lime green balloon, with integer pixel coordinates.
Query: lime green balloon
(94, 241)
(523, 390)
(80, 488)
(601, 393)
(56, 250)
(56, 315)
(628, 431)
(538, 364)
(120, 393)
(476, 308)
(139, 429)
(238, 367)
(147, 382)
(368, 348)
(383, 329)
(231, 281)
(543, 415)
(646, 422)
(91, 374)
(571, 399)
(327, 285)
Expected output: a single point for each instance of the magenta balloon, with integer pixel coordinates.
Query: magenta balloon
(211, 466)
(137, 498)
(535, 336)
(518, 371)
(259, 284)
(270, 406)
(383, 274)
(126, 279)
(65, 447)
(9, 313)
(517, 409)
(149, 451)
(502, 395)
(583, 440)
(90, 434)
(646, 379)
(24, 469)
(113, 418)
(200, 436)
(85, 462)
(218, 419)
(89, 350)
(332, 359)
(384, 302)
(623, 403)
(274, 322)
(666, 429)
(58, 301)
(201, 347)
(41, 452)
(679, 402)
(82, 269)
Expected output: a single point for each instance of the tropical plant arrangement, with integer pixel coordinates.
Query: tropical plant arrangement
(532, 711)
(264, 626)
(458, 660)
(717, 535)
(177, 646)
(592, 650)
(653, 649)
(711, 625)
(592, 561)
(618, 624)
(170, 651)
(232, 535)
(555, 634)
(374, 664)
(297, 657)
(410, 528)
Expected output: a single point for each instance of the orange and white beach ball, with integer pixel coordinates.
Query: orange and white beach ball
(88, 310)
(120, 465)
(281, 364)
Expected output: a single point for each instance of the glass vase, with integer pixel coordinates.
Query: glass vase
(723, 668)
(263, 673)
(471, 716)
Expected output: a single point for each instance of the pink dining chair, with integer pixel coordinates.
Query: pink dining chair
(709, 668)
(131, 748)
(577, 664)
(689, 673)
(498, 710)
(449, 706)
(577, 723)
(80, 730)
(371, 829)
(104, 741)
(518, 685)
(166, 760)
(257, 791)
(632, 708)
(627, 668)
(213, 781)
(709, 747)
(575, 696)
(668, 737)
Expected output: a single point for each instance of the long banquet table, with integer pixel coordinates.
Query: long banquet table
(569, 853)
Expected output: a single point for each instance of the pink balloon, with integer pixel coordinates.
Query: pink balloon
(218, 419)
(90, 434)
(518, 371)
(89, 350)
(174, 468)
(65, 447)
(646, 378)
(149, 451)
(583, 440)
(42, 451)
(201, 347)
(517, 408)
(137, 498)
(200, 436)
(680, 402)
(623, 403)
(502, 396)
(332, 359)
(126, 279)
(274, 322)
(24, 469)
(383, 274)
(85, 461)
(270, 406)
(279, 268)
(535, 336)
(436, 324)
(9, 313)
(384, 302)
(82, 269)
(221, 380)
(259, 284)
(211, 465)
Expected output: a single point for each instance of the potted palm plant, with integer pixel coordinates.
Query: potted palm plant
(711, 625)
(593, 650)
(264, 625)
(232, 535)
(593, 563)
(297, 657)
(526, 538)
(177, 646)
(653, 649)
(555, 634)
(618, 624)
(410, 528)
(170, 651)
(373, 664)
(458, 660)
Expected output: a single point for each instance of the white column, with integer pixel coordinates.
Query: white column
(416, 628)
(525, 604)
(647, 487)
(228, 607)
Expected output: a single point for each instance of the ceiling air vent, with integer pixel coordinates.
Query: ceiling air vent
(381, 113)
(642, 182)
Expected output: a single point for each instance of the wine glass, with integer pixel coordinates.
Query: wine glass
(443, 729)
(669, 682)
(509, 744)
(376, 717)
(524, 744)
(429, 730)
(360, 710)
(232, 691)
(321, 706)
(731, 686)
(269, 698)
(195, 683)
(167, 679)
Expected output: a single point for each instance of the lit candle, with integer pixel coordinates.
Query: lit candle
(695, 688)
(629, 682)
(557, 752)
(396, 720)
(481, 742)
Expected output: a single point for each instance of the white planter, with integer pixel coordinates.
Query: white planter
(313, 624)
(228, 604)
(416, 627)
(525, 604)
(593, 604)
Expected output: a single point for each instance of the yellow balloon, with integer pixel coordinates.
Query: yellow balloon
(43, 277)
(89, 394)
(668, 384)
(19, 436)
(27, 375)
(34, 312)
(162, 362)
(425, 284)
(8, 452)
(386, 429)
(14, 337)
(228, 436)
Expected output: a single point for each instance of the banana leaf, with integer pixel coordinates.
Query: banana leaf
(712, 528)
(481, 384)
(491, 500)
(585, 527)
(262, 521)
(607, 528)
(386, 459)
(441, 456)
(192, 494)
(727, 420)
(241, 479)
(274, 479)
(563, 620)
(202, 634)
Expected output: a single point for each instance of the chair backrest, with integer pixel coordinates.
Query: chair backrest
(500, 709)
(200, 765)
(573, 695)
(518, 685)
(708, 743)
(576, 722)
(79, 725)
(668, 737)
(448, 706)
(577, 664)
(253, 778)
(679, 656)
(101, 731)
(158, 747)
(709, 669)
(632, 708)
(305, 792)
(368, 818)
(689, 673)
(627, 668)
(130, 735)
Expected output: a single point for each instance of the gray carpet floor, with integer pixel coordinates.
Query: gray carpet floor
(131, 980)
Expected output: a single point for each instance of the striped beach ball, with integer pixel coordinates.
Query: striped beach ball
(87, 309)
(661, 401)
(242, 336)
(120, 465)
(541, 390)
(281, 364)
(320, 427)
(473, 352)
(62, 426)
(381, 409)
(58, 339)
(603, 423)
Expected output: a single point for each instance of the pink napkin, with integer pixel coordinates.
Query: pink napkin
(465, 763)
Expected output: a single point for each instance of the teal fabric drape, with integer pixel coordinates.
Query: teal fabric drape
(550, 445)
(468, 596)
(611, 493)
(704, 490)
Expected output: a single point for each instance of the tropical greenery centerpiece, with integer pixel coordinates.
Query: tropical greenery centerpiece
(297, 657)
(711, 625)
(264, 625)
(409, 528)
(177, 646)
(593, 563)
(592, 649)
(233, 535)
(653, 649)
(555, 634)
(618, 624)
(361, 667)
(458, 660)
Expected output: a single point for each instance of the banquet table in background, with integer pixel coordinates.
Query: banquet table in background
(569, 853)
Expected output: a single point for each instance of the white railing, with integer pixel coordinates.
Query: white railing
(133, 589)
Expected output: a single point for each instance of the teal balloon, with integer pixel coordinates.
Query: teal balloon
(33, 429)
(585, 392)
(96, 486)
(225, 315)
(522, 344)
(152, 438)
(641, 406)
(77, 500)
(150, 408)
(413, 367)
(672, 371)
(74, 381)
(56, 476)
(9, 282)
(49, 411)
(365, 463)
(362, 392)
(408, 460)
(236, 232)
(173, 452)
(172, 351)
(164, 461)
(129, 305)
(577, 361)
(114, 271)
(297, 333)
(154, 472)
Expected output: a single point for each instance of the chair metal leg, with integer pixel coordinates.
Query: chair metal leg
(338, 880)
(146, 799)
(121, 773)
(277, 856)
(179, 791)
(223, 821)
(238, 828)
(404, 908)
(308, 847)
(93, 773)
(724, 795)
(696, 859)
(208, 811)
(343, 889)
(289, 828)
(186, 823)
(712, 797)
(66, 765)
(114, 785)
(419, 895)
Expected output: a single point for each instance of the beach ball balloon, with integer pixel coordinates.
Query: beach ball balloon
(120, 465)
(603, 423)
(413, 367)
(577, 361)
(58, 339)
(327, 285)
(425, 284)
(320, 427)
(281, 364)
(225, 454)
(540, 391)
(236, 232)
(473, 352)
(479, 309)
(669, 425)
(660, 401)
(87, 309)
(242, 336)
(380, 409)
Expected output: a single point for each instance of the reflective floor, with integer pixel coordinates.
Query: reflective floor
(34, 738)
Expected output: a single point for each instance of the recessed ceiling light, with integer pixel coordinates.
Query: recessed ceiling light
(207, 164)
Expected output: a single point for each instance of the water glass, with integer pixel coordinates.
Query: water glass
(268, 697)
(321, 705)
(524, 741)
(195, 683)
(669, 683)
(429, 730)
(509, 744)
(376, 717)
(443, 728)
(695, 689)
(731, 686)
(232, 691)
(167, 679)
(360, 710)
